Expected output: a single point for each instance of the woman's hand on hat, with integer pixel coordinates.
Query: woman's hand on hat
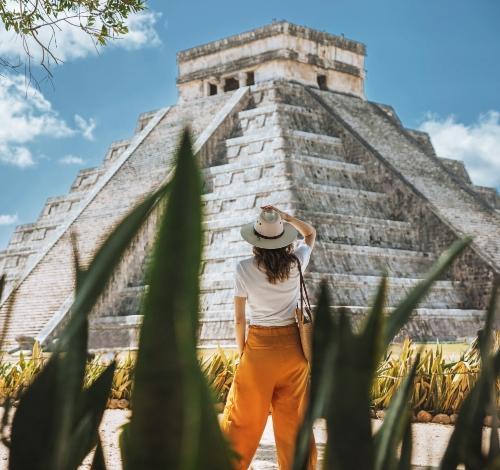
(286, 217)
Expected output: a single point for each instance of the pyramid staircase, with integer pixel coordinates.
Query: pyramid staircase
(38, 261)
(378, 197)
(291, 154)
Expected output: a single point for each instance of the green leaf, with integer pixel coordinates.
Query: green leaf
(35, 422)
(98, 462)
(214, 451)
(70, 376)
(169, 403)
(402, 312)
(370, 341)
(355, 361)
(406, 449)
(105, 261)
(6, 321)
(62, 378)
(348, 418)
(2, 284)
(321, 378)
(465, 444)
(486, 334)
(89, 414)
(395, 424)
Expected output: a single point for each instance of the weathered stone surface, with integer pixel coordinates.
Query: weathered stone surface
(377, 194)
(277, 51)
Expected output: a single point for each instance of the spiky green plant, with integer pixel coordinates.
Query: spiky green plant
(55, 425)
(173, 424)
(219, 371)
(344, 372)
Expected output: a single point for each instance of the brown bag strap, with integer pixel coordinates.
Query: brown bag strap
(303, 290)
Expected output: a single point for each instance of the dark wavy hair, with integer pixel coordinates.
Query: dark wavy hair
(276, 262)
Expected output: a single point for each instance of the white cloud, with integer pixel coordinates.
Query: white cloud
(73, 43)
(8, 219)
(477, 144)
(86, 126)
(141, 31)
(16, 155)
(25, 115)
(71, 160)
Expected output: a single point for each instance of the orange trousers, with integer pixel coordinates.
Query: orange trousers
(273, 375)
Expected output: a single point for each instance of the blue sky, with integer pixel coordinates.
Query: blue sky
(436, 62)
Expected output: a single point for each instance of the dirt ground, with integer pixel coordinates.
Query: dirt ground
(429, 443)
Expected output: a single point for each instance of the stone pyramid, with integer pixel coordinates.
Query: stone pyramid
(279, 116)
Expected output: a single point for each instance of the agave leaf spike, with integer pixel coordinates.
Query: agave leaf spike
(395, 425)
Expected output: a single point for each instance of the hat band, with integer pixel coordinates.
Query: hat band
(267, 238)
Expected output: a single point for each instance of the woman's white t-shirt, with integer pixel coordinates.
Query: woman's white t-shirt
(270, 304)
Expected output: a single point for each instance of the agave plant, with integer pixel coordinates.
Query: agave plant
(343, 372)
(219, 370)
(56, 422)
(173, 422)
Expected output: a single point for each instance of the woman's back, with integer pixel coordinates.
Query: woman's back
(270, 304)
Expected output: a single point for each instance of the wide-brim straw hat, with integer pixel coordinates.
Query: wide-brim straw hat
(269, 231)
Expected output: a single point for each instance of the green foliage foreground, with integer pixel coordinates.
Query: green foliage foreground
(173, 423)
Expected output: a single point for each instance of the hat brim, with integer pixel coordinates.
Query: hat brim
(289, 235)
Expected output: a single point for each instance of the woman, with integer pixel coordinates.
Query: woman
(273, 374)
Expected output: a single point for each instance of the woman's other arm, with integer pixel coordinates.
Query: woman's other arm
(305, 229)
(240, 322)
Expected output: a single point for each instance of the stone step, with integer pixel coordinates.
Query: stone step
(276, 132)
(276, 139)
(345, 201)
(454, 203)
(346, 289)
(324, 161)
(112, 333)
(340, 228)
(287, 116)
(31, 235)
(126, 302)
(344, 192)
(312, 143)
(364, 231)
(228, 313)
(322, 170)
(424, 325)
(318, 169)
(337, 199)
(370, 260)
(274, 108)
(57, 207)
(327, 257)
(86, 179)
(13, 261)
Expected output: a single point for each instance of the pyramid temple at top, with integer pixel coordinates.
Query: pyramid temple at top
(279, 115)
